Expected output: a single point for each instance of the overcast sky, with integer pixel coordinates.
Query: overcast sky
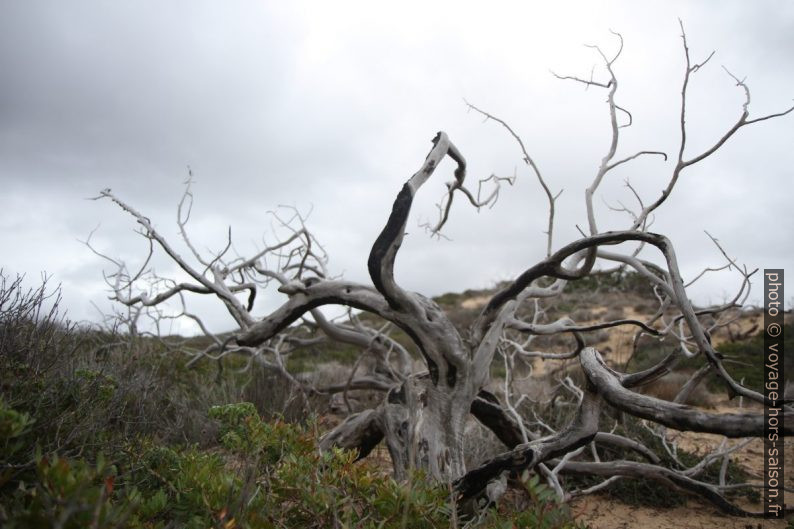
(332, 105)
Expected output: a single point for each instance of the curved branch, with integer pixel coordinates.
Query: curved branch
(486, 409)
(306, 298)
(384, 250)
(552, 266)
(647, 471)
(566, 325)
(678, 416)
(147, 301)
(629, 158)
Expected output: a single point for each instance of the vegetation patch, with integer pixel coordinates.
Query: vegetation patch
(104, 430)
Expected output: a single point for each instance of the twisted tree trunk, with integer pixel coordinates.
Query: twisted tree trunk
(423, 419)
(423, 415)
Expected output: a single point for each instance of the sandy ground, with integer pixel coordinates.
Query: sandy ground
(603, 513)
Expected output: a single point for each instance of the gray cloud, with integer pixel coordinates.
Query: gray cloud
(333, 106)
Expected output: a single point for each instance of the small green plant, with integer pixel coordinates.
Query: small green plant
(13, 424)
(68, 493)
(13, 445)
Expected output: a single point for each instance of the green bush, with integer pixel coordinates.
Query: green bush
(104, 430)
(71, 494)
(267, 475)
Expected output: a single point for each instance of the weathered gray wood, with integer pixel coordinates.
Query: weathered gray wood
(422, 416)
(672, 414)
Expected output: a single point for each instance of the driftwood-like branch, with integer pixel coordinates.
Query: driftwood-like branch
(674, 415)
(306, 298)
(384, 251)
(666, 476)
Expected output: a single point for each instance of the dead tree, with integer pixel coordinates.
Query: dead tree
(422, 416)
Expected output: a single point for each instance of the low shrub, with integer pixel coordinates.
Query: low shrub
(102, 430)
(266, 475)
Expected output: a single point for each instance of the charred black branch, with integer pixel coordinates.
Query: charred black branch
(384, 251)
(486, 409)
